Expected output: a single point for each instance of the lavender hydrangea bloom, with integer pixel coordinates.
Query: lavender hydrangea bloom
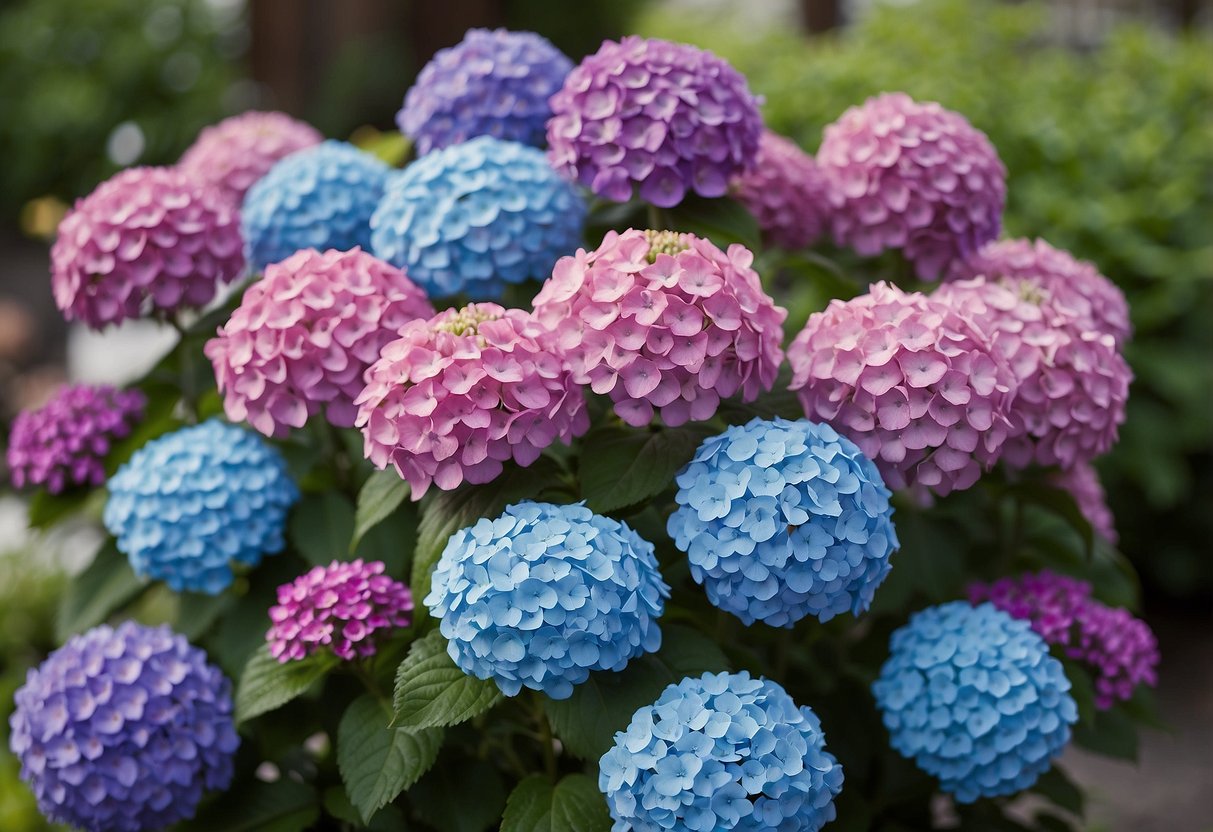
(784, 519)
(544, 594)
(123, 729)
(492, 83)
(1082, 481)
(786, 192)
(718, 753)
(974, 698)
(189, 503)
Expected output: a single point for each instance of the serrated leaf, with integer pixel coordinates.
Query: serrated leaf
(106, 585)
(267, 684)
(253, 806)
(321, 526)
(377, 762)
(536, 805)
(380, 495)
(626, 466)
(431, 691)
(723, 221)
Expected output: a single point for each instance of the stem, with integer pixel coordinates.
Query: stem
(657, 219)
(189, 396)
(545, 737)
(341, 461)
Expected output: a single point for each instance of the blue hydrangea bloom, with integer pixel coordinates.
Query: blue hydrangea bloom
(492, 83)
(192, 501)
(321, 197)
(974, 698)
(123, 729)
(545, 594)
(717, 753)
(784, 519)
(477, 216)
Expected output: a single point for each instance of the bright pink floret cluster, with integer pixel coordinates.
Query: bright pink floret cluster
(456, 396)
(786, 192)
(1082, 481)
(305, 333)
(664, 321)
(1120, 649)
(347, 607)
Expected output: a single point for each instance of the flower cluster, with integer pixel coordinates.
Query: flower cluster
(236, 152)
(913, 177)
(666, 118)
(721, 752)
(917, 386)
(456, 396)
(1082, 481)
(305, 333)
(477, 216)
(665, 321)
(544, 594)
(974, 698)
(492, 83)
(1121, 650)
(123, 729)
(786, 192)
(147, 240)
(321, 197)
(189, 503)
(784, 519)
(64, 443)
(343, 606)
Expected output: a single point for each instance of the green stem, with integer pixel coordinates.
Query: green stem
(189, 395)
(657, 219)
(546, 744)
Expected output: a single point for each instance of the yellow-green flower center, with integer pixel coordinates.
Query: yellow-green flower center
(665, 242)
(467, 320)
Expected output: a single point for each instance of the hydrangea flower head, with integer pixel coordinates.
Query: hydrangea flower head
(64, 443)
(914, 177)
(305, 333)
(786, 192)
(236, 152)
(545, 594)
(654, 117)
(321, 197)
(721, 752)
(1082, 481)
(147, 240)
(784, 519)
(663, 321)
(492, 83)
(123, 730)
(476, 216)
(347, 607)
(914, 384)
(974, 698)
(456, 396)
(190, 503)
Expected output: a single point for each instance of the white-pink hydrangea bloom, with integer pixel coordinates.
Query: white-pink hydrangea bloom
(786, 192)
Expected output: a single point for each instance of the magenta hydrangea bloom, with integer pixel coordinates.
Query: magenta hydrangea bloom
(236, 152)
(147, 240)
(1072, 381)
(664, 321)
(1082, 481)
(1121, 650)
(456, 396)
(64, 443)
(347, 607)
(786, 192)
(912, 176)
(915, 385)
(654, 116)
(305, 333)
(1076, 286)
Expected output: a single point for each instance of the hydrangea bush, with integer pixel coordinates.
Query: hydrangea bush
(591, 556)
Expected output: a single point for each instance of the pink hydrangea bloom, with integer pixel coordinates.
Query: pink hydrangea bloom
(1082, 481)
(786, 192)
(456, 396)
(147, 240)
(665, 321)
(1076, 286)
(1120, 649)
(1072, 381)
(913, 177)
(236, 152)
(347, 607)
(916, 386)
(305, 333)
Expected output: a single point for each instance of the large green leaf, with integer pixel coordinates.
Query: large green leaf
(381, 494)
(625, 466)
(267, 684)
(253, 806)
(1057, 786)
(106, 585)
(459, 796)
(431, 691)
(378, 762)
(321, 526)
(45, 509)
(536, 805)
(1112, 733)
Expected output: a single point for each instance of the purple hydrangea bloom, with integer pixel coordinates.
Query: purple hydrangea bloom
(64, 443)
(659, 117)
(123, 730)
(1082, 481)
(786, 192)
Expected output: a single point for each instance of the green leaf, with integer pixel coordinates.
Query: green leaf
(46, 509)
(337, 805)
(381, 494)
(1057, 786)
(431, 691)
(723, 221)
(1081, 688)
(106, 585)
(1112, 733)
(321, 526)
(625, 466)
(253, 806)
(392, 541)
(586, 722)
(196, 612)
(459, 797)
(574, 803)
(1062, 503)
(377, 763)
(267, 684)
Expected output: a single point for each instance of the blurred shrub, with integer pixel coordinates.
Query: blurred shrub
(1110, 154)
